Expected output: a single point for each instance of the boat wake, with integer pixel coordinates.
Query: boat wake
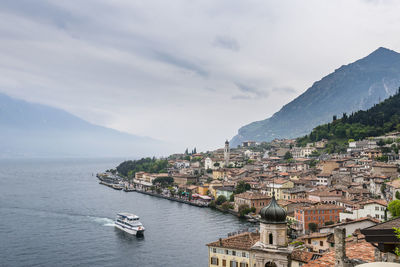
(103, 221)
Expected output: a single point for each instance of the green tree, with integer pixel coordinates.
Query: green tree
(220, 199)
(212, 204)
(163, 181)
(288, 155)
(232, 198)
(329, 223)
(241, 187)
(397, 194)
(394, 208)
(313, 227)
(226, 206)
(243, 210)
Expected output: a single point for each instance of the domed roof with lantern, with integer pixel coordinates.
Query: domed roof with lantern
(273, 213)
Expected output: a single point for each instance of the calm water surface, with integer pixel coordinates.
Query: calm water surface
(54, 213)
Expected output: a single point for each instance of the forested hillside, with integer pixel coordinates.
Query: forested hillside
(380, 119)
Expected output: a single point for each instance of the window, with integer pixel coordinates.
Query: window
(377, 216)
(376, 208)
(233, 252)
(214, 260)
(214, 250)
(234, 264)
(226, 252)
(223, 262)
(321, 243)
(244, 254)
(243, 264)
(271, 239)
(309, 241)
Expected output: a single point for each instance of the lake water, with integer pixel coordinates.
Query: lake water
(54, 213)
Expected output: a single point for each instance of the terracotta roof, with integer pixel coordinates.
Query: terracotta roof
(372, 201)
(363, 251)
(351, 222)
(324, 194)
(304, 256)
(252, 195)
(394, 183)
(315, 235)
(241, 241)
(322, 207)
(386, 225)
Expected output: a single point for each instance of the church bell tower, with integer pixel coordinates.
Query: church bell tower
(226, 153)
(272, 249)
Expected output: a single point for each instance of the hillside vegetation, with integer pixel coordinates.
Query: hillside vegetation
(152, 165)
(382, 118)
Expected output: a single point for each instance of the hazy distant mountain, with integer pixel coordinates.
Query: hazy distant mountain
(357, 86)
(34, 130)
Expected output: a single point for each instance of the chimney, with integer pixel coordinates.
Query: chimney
(377, 255)
(340, 247)
(220, 242)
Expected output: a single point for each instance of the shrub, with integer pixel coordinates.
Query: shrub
(221, 199)
(313, 227)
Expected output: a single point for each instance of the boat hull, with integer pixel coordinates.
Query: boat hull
(129, 230)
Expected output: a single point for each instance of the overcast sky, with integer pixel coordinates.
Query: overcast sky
(186, 72)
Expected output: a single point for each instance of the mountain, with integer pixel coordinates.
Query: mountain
(34, 130)
(356, 86)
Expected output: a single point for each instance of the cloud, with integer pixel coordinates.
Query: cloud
(180, 63)
(284, 89)
(165, 69)
(250, 92)
(226, 42)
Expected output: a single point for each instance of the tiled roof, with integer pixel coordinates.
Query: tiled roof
(251, 195)
(242, 241)
(372, 201)
(351, 222)
(322, 207)
(363, 251)
(386, 225)
(304, 256)
(315, 235)
(394, 183)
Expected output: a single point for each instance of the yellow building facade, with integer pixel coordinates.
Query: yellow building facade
(232, 251)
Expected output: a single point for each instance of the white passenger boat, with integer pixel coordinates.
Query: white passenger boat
(129, 223)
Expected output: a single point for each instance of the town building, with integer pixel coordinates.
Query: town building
(316, 242)
(232, 251)
(351, 225)
(226, 191)
(374, 208)
(252, 199)
(319, 214)
(277, 187)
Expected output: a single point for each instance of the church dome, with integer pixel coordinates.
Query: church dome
(273, 213)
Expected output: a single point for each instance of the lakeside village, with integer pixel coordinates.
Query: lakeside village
(313, 208)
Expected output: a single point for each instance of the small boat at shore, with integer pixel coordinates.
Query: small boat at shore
(129, 223)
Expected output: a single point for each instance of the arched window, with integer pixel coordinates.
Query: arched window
(270, 264)
(271, 239)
